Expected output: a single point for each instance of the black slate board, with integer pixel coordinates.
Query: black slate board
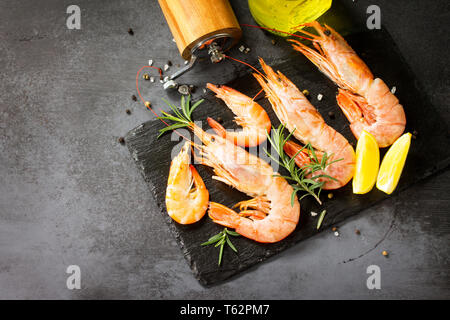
(429, 153)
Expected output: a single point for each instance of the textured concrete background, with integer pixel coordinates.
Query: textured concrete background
(70, 194)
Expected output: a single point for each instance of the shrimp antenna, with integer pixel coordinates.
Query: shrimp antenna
(271, 29)
(249, 65)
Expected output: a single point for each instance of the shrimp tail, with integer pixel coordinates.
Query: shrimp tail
(349, 105)
(198, 181)
(293, 149)
(223, 215)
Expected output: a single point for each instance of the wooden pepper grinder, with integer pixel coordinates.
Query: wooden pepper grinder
(201, 27)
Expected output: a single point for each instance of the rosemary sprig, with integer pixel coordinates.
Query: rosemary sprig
(220, 239)
(181, 118)
(302, 178)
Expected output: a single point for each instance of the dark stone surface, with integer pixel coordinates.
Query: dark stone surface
(70, 194)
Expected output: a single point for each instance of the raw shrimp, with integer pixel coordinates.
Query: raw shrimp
(250, 115)
(301, 118)
(366, 102)
(269, 216)
(186, 195)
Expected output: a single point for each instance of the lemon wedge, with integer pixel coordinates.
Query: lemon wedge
(392, 165)
(367, 163)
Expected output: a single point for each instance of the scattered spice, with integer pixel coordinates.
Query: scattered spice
(183, 89)
(331, 115)
(150, 62)
(130, 31)
(146, 76)
(152, 79)
(173, 40)
(191, 88)
(121, 140)
(385, 253)
(166, 78)
(166, 67)
(204, 90)
(313, 213)
(357, 232)
(134, 98)
(128, 111)
(147, 104)
(241, 48)
(394, 89)
(186, 61)
(247, 50)
(336, 233)
(169, 63)
(334, 229)
(274, 42)
(319, 96)
(305, 92)
(330, 195)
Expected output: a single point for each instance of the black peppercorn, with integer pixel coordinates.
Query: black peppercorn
(121, 140)
(134, 98)
(130, 31)
(331, 115)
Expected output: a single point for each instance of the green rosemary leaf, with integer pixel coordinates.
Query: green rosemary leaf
(171, 127)
(294, 192)
(195, 105)
(303, 196)
(317, 185)
(183, 104)
(232, 233)
(168, 116)
(220, 255)
(174, 109)
(181, 118)
(213, 239)
(221, 241)
(324, 160)
(319, 222)
(309, 181)
(330, 162)
(231, 245)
